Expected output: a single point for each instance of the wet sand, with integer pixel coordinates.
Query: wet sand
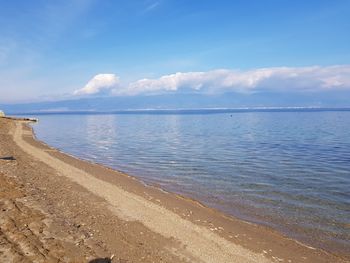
(57, 208)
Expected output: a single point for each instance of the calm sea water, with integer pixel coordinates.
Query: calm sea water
(287, 170)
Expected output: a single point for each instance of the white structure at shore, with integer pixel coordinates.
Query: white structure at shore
(2, 114)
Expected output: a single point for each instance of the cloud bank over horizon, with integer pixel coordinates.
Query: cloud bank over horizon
(99, 84)
(276, 79)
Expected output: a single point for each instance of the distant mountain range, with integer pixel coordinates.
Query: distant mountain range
(184, 102)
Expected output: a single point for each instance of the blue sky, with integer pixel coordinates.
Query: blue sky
(58, 49)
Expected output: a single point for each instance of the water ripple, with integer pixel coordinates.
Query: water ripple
(289, 170)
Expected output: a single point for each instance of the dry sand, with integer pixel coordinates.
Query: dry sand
(56, 208)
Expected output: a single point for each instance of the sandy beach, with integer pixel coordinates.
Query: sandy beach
(57, 208)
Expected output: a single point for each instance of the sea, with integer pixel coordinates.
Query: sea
(286, 169)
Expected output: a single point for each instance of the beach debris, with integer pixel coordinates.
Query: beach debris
(77, 225)
(8, 158)
(102, 260)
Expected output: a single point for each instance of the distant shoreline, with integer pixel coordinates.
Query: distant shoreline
(187, 111)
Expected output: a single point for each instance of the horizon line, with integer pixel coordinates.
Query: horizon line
(186, 110)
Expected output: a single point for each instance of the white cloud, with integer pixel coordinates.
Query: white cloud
(101, 83)
(278, 79)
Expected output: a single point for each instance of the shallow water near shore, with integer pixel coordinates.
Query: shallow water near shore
(286, 170)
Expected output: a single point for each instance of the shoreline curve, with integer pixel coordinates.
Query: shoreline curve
(198, 233)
